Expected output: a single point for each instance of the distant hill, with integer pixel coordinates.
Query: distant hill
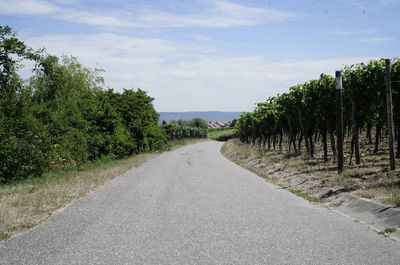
(224, 116)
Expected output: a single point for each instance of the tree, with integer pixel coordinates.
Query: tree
(61, 116)
(307, 111)
(198, 123)
(22, 143)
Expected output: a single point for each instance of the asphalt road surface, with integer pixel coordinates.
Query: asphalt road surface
(193, 206)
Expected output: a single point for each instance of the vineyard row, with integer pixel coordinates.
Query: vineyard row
(307, 113)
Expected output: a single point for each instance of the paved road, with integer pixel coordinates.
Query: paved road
(193, 206)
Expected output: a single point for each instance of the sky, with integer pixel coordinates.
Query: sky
(203, 55)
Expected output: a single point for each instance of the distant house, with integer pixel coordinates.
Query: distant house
(218, 124)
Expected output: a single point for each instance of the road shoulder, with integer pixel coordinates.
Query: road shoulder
(383, 219)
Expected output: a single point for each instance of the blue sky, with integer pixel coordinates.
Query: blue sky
(209, 54)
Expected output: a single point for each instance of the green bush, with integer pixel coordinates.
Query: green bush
(62, 117)
(175, 131)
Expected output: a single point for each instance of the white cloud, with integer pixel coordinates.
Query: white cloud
(218, 14)
(27, 7)
(377, 40)
(221, 14)
(96, 19)
(370, 5)
(356, 32)
(388, 2)
(356, 3)
(65, 2)
(187, 77)
(199, 37)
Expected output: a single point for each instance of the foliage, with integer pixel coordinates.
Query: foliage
(177, 132)
(221, 134)
(198, 123)
(195, 122)
(307, 112)
(61, 116)
(183, 129)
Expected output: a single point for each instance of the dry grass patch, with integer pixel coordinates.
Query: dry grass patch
(28, 203)
(386, 191)
(371, 179)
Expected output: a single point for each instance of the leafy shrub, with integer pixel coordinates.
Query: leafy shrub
(62, 116)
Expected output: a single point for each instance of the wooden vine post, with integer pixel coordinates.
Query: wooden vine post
(389, 113)
(339, 121)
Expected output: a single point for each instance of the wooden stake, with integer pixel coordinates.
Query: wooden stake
(339, 120)
(389, 112)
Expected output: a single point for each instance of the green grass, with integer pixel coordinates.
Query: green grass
(221, 134)
(62, 173)
(304, 195)
(264, 176)
(105, 161)
(390, 230)
(387, 231)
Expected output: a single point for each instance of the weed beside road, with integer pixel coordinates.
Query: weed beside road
(30, 202)
(314, 178)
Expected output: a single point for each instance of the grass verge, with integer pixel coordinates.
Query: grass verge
(221, 134)
(27, 203)
(304, 195)
(388, 231)
(250, 155)
(314, 176)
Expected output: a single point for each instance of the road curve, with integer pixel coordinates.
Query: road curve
(193, 206)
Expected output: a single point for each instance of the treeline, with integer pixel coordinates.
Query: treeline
(177, 132)
(195, 122)
(61, 116)
(307, 113)
(180, 129)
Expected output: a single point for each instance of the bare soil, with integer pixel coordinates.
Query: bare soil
(316, 179)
